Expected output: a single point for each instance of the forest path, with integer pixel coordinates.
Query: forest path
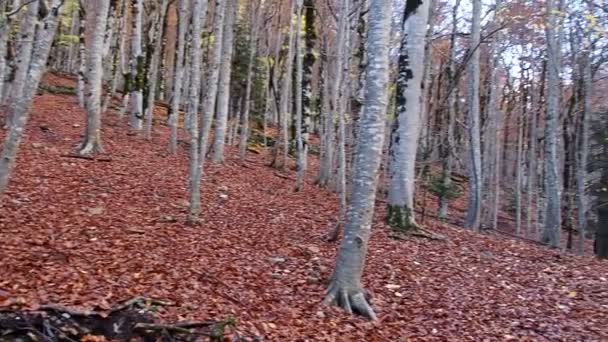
(82, 232)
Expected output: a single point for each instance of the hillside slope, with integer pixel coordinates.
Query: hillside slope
(82, 232)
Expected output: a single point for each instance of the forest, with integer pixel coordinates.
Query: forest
(302, 170)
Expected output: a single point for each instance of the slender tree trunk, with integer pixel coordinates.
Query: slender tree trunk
(137, 65)
(345, 289)
(221, 12)
(154, 64)
(223, 95)
(406, 125)
(92, 139)
(5, 26)
(283, 138)
(199, 12)
(301, 146)
(27, 36)
(552, 229)
(327, 158)
(253, 44)
(82, 56)
(178, 74)
(473, 212)
(19, 111)
(448, 142)
(583, 152)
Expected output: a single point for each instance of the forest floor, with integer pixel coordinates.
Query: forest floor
(83, 232)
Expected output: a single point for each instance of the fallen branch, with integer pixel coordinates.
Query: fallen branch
(127, 321)
(418, 232)
(78, 156)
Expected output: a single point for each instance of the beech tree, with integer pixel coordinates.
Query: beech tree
(406, 125)
(551, 232)
(19, 110)
(345, 289)
(92, 138)
(474, 208)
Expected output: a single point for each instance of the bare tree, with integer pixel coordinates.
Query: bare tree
(223, 94)
(406, 125)
(199, 12)
(551, 232)
(92, 138)
(474, 208)
(345, 289)
(19, 111)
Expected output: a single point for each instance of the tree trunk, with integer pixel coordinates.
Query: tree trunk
(253, 44)
(552, 229)
(199, 12)
(92, 139)
(473, 212)
(583, 152)
(406, 125)
(154, 65)
(223, 95)
(301, 146)
(345, 289)
(24, 53)
(82, 56)
(178, 73)
(20, 109)
(137, 65)
(447, 154)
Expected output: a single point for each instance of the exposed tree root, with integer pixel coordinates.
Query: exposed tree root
(91, 147)
(86, 157)
(417, 231)
(131, 320)
(353, 302)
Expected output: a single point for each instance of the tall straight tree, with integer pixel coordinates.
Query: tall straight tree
(92, 137)
(19, 111)
(447, 148)
(345, 289)
(583, 150)
(475, 179)
(137, 64)
(221, 7)
(283, 138)
(301, 149)
(24, 52)
(178, 74)
(199, 12)
(156, 43)
(551, 231)
(406, 125)
(254, 21)
(223, 93)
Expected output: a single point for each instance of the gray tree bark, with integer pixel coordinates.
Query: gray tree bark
(19, 111)
(92, 139)
(474, 207)
(345, 289)
(156, 41)
(82, 55)
(223, 95)
(552, 229)
(137, 64)
(406, 125)
(301, 147)
(199, 12)
(448, 141)
(178, 74)
(27, 34)
(583, 152)
(253, 44)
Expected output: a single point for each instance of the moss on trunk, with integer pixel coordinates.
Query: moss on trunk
(401, 218)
